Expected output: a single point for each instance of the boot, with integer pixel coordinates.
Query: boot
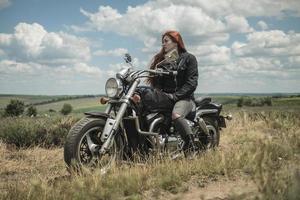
(185, 131)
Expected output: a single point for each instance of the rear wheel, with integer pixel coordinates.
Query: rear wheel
(213, 137)
(205, 141)
(83, 144)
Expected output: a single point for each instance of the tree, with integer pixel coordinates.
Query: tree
(66, 109)
(268, 101)
(14, 108)
(31, 111)
(240, 102)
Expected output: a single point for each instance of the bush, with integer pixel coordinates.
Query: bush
(66, 109)
(2, 112)
(26, 131)
(268, 101)
(31, 111)
(240, 102)
(14, 108)
(248, 101)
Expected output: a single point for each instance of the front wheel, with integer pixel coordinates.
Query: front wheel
(83, 144)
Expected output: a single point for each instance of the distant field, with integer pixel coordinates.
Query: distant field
(27, 99)
(79, 104)
(83, 104)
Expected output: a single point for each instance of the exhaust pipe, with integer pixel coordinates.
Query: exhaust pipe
(203, 126)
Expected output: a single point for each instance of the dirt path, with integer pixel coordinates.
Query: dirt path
(221, 189)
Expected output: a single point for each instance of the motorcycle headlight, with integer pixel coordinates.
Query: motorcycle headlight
(113, 88)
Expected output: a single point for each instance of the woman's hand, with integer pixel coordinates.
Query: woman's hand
(136, 98)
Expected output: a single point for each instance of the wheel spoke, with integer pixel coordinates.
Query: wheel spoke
(92, 146)
(89, 151)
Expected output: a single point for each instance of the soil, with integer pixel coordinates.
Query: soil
(220, 189)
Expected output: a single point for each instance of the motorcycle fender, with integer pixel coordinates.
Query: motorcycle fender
(203, 112)
(97, 114)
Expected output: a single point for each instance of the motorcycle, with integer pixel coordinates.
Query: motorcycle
(124, 130)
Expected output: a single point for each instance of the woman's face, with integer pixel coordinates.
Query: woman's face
(168, 44)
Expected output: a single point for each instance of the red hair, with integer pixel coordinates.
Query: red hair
(175, 37)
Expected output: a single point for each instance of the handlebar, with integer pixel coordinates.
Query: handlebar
(133, 75)
(159, 72)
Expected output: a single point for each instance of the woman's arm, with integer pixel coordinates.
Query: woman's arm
(191, 82)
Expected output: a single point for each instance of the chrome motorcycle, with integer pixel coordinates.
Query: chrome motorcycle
(126, 131)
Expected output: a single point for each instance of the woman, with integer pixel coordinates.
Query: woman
(179, 89)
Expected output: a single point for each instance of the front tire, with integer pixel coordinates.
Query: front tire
(86, 134)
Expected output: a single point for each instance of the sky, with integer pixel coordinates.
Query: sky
(71, 47)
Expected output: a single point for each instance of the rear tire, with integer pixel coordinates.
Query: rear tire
(214, 132)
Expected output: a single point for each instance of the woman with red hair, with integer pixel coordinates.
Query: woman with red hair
(178, 90)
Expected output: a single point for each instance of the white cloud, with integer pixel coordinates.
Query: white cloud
(32, 43)
(212, 55)
(201, 21)
(237, 24)
(115, 52)
(4, 3)
(262, 25)
(10, 66)
(246, 9)
(79, 69)
(83, 68)
(145, 21)
(269, 43)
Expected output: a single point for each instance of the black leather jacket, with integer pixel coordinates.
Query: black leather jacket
(185, 83)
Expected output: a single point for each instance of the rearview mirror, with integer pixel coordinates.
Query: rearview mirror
(127, 58)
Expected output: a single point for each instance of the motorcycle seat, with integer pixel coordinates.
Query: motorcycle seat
(202, 100)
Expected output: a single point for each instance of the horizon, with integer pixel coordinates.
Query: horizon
(216, 93)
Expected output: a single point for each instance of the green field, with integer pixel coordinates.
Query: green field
(79, 105)
(27, 99)
(83, 104)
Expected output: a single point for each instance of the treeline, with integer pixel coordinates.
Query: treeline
(284, 96)
(17, 107)
(249, 101)
(60, 98)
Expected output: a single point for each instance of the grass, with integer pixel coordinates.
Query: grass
(264, 147)
(261, 144)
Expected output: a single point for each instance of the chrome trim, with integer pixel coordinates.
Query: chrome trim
(107, 129)
(138, 128)
(206, 111)
(203, 125)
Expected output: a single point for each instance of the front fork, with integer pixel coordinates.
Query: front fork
(112, 125)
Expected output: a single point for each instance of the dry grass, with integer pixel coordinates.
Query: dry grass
(264, 148)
